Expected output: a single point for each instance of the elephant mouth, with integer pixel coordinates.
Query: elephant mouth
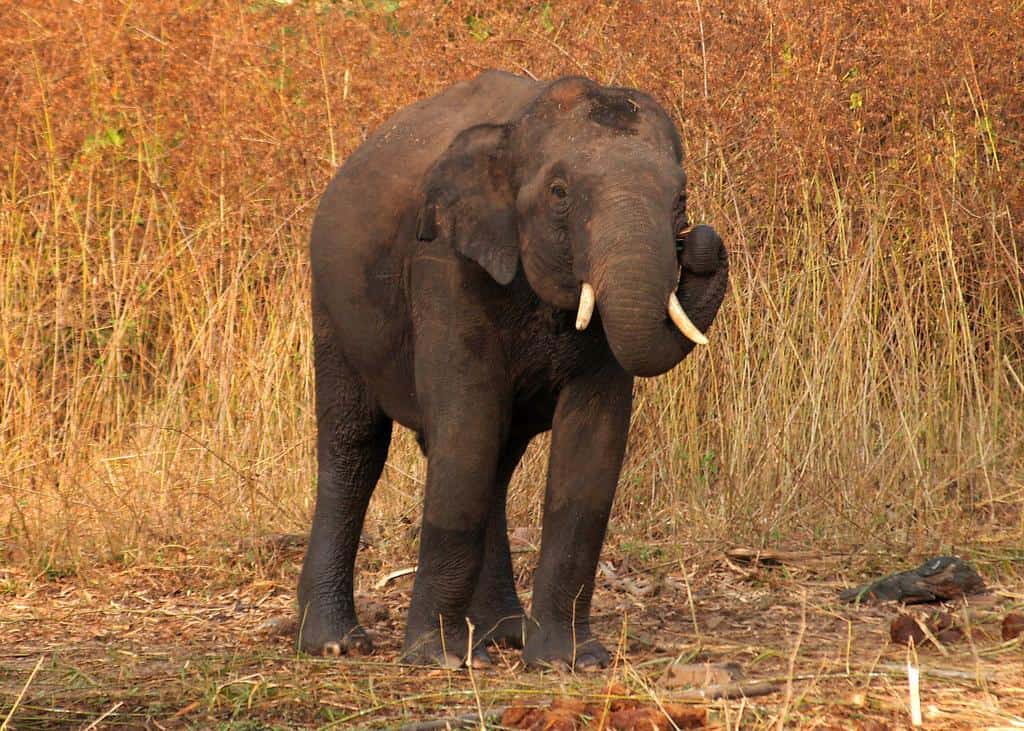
(675, 310)
(673, 307)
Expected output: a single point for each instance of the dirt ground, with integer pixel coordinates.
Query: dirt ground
(201, 642)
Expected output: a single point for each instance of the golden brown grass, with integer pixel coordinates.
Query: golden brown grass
(864, 390)
(161, 163)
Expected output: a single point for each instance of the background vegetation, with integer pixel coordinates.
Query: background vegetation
(161, 162)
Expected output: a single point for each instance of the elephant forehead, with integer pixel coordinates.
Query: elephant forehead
(586, 145)
(579, 108)
(634, 161)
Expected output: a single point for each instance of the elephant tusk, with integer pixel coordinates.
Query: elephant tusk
(586, 307)
(685, 325)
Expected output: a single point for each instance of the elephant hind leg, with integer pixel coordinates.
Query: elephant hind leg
(353, 436)
(495, 609)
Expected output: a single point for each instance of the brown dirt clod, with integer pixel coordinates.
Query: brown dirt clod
(1013, 626)
(943, 627)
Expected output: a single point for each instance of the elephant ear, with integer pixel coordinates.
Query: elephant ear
(469, 201)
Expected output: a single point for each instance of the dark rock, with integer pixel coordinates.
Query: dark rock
(937, 579)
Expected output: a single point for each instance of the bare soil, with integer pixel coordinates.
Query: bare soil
(201, 642)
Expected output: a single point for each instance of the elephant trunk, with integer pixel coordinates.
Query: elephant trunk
(653, 307)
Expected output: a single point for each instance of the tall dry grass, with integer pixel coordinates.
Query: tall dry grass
(865, 385)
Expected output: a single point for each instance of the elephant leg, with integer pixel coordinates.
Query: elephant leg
(588, 440)
(495, 609)
(463, 443)
(352, 444)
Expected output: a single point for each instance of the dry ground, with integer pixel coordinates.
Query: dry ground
(188, 644)
(862, 400)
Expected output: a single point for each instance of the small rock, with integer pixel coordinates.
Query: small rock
(283, 624)
(701, 674)
(1013, 626)
(937, 579)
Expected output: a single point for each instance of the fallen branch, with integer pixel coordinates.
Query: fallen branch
(771, 557)
(466, 720)
(898, 669)
(749, 689)
(396, 574)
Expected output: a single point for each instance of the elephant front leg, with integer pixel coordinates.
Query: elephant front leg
(495, 609)
(462, 463)
(588, 441)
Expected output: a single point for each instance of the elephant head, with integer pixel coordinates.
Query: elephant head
(586, 190)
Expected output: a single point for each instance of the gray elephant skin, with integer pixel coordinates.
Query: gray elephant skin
(493, 262)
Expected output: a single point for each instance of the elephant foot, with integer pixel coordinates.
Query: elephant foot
(328, 634)
(450, 652)
(505, 630)
(501, 622)
(560, 647)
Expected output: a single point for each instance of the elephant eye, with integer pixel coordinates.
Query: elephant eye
(559, 190)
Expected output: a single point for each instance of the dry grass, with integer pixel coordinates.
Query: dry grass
(865, 387)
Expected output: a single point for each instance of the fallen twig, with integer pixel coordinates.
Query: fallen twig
(771, 557)
(748, 689)
(108, 712)
(17, 701)
(466, 720)
(396, 574)
(900, 670)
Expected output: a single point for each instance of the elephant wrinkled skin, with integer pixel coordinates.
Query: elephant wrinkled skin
(494, 262)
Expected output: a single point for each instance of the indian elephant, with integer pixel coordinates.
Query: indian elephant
(493, 262)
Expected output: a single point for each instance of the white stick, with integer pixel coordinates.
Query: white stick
(399, 573)
(914, 680)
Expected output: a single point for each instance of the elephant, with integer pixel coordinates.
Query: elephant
(494, 262)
